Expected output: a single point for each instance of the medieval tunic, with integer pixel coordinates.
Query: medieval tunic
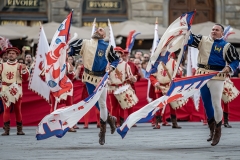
(163, 76)
(11, 73)
(214, 55)
(96, 54)
(119, 76)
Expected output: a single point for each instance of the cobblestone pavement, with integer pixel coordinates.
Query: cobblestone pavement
(142, 142)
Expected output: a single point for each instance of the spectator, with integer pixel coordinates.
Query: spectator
(25, 51)
(146, 57)
(137, 62)
(138, 55)
(4, 56)
(131, 59)
(143, 68)
(21, 60)
(28, 62)
(71, 60)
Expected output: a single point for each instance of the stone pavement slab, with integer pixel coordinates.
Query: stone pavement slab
(142, 142)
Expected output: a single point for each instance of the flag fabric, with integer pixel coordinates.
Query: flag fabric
(192, 65)
(55, 66)
(4, 43)
(61, 120)
(130, 40)
(227, 31)
(156, 38)
(180, 88)
(93, 26)
(41, 88)
(154, 45)
(174, 38)
(111, 35)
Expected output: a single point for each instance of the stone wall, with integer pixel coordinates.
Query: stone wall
(147, 11)
(58, 11)
(141, 10)
(232, 13)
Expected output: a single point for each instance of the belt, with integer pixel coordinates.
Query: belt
(211, 67)
(118, 85)
(8, 84)
(164, 84)
(93, 73)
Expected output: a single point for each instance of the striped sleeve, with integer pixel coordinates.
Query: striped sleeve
(75, 47)
(113, 58)
(231, 54)
(194, 40)
(232, 58)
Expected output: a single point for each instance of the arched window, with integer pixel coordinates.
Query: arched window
(205, 9)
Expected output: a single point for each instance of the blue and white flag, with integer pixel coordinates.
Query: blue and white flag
(173, 39)
(180, 88)
(61, 120)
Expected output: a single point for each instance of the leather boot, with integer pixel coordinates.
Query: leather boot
(174, 122)
(217, 134)
(211, 125)
(111, 120)
(102, 132)
(225, 115)
(157, 122)
(121, 121)
(6, 128)
(19, 129)
(72, 130)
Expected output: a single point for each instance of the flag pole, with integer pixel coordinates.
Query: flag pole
(153, 49)
(55, 105)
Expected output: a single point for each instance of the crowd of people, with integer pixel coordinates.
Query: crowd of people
(89, 60)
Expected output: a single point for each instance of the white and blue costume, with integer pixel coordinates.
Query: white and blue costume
(96, 54)
(213, 56)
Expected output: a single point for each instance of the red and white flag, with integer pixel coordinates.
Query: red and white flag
(36, 84)
(55, 66)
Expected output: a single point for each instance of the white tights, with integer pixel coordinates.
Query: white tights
(216, 89)
(102, 105)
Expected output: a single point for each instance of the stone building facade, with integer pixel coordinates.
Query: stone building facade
(226, 12)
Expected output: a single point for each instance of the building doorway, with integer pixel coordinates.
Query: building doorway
(205, 10)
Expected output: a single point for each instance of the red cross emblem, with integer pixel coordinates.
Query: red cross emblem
(10, 75)
(13, 91)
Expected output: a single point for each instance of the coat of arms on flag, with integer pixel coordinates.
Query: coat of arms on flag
(55, 65)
